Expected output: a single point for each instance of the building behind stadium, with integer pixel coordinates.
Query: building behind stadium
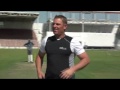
(95, 29)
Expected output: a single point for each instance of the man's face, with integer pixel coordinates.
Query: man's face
(58, 26)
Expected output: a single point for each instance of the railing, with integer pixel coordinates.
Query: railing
(84, 21)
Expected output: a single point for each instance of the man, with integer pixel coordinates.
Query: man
(29, 46)
(60, 50)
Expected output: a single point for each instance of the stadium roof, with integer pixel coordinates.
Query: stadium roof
(14, 15)
(116, 12)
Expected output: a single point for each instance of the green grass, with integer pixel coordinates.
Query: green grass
(13, 64)
(104, 64)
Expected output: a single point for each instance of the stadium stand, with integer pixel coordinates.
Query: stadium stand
(16, 29)
(16, 37)
(92, 34)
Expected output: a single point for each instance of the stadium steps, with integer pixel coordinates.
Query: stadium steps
(15, 43)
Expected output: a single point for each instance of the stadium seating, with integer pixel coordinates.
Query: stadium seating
(16, 37)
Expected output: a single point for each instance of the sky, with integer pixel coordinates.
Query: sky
(45, 15)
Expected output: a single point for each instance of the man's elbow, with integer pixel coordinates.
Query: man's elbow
(87, 60)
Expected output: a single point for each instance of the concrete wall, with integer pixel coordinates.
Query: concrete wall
(105, 39)
(17, 25)
(93, 39)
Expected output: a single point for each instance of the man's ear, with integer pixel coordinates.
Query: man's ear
(65, 27)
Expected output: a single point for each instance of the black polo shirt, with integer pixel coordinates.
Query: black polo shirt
(60, 54)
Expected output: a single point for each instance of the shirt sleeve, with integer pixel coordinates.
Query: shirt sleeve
(76, 46)
(42, 46)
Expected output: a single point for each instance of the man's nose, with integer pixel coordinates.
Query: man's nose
(54, 25)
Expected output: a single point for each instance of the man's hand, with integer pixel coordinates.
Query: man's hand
(41, 75)
(67, 73)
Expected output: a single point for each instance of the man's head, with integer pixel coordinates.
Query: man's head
(29, 40)
(59, 24)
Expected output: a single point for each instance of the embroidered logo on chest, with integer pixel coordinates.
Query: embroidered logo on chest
(62, 48)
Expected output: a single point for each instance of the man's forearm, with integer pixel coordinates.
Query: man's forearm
(84, 62)
(39, 62)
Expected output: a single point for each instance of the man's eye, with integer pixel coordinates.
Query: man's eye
(55, 24)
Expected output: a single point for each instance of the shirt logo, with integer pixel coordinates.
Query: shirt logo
(62, 48)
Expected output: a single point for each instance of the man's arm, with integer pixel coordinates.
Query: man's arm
(39, 62)
(32, 43)
(25, 44)
(78, 49)
(81, 54)
(84, 61)
(39, 59)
